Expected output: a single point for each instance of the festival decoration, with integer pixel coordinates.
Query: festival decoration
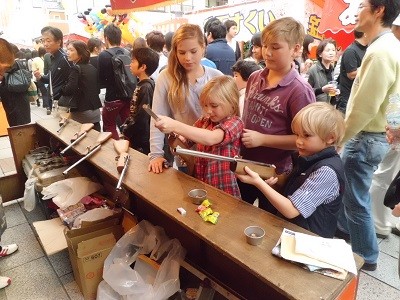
(95, 22)
(124, 6)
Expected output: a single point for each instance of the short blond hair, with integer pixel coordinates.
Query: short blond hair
(289, 29)
(321, 119)
(223, 89)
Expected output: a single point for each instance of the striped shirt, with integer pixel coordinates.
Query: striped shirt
(321, 187)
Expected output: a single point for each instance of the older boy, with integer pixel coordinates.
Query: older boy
(312, 195)
(137, 127)
(273, 97)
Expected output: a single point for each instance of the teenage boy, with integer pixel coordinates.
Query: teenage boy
(312, 195)
(137, 126)
(274, 95)
(114, 106)
(242, 70)
(366, 144)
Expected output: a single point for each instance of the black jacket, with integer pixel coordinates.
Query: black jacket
(83, 84)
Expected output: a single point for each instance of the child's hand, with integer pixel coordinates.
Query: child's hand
(250, 177)
(271, 180)
(396, 210)
(165, 124)
(251, 138)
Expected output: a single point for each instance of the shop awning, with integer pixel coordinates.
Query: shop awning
(124, 6)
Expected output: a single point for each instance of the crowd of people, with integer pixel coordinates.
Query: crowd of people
(323, 129)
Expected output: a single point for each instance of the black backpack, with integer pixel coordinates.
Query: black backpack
(125, 81)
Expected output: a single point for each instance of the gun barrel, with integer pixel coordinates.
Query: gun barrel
(90, 153)
(73, 143)
(189, 152)
(62, 126)
(121, 176)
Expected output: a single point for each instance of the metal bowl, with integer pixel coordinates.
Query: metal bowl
(197, 195)
(254, 235)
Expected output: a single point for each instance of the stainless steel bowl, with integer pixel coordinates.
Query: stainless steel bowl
(197, 195)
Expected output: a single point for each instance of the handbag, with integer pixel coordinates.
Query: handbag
(70, 101)
(32, 93)
(18, 80)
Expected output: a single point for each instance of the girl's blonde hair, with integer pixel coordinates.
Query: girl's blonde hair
(222, 89)
(180, 85)
(321, 119)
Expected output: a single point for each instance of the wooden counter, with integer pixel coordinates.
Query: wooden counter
(220, 250)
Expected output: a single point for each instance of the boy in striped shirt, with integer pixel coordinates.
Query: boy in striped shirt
(313, 192)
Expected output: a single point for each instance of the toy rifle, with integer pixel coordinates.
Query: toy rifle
(237, 164)
(174, 141)
(63, 121)
(78, 136)
(103, 136)
(121, 146)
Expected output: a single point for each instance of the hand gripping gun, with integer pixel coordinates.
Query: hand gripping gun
(78, 136)
(121, 146)
(103, 137)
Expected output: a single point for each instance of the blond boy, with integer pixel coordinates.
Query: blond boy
(312, 195)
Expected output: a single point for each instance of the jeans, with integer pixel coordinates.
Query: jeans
(361, 157)
(111, 110)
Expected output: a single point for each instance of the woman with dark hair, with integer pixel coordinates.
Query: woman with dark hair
(305, 61)
(95, 46)
(321, 73)
(83, 85)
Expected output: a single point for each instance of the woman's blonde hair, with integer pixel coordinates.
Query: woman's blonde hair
(321, 119)
(180, 85)
(222, 89)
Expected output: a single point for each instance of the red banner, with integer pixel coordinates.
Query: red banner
(124, 6)
(338, 15)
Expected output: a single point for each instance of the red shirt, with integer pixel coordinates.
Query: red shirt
(214, 172)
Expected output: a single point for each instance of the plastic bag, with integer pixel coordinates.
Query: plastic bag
(70, 191)
(29, 197)
(144, 238)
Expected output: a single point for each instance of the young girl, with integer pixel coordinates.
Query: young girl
(217, 132)
(314, 190)
(178, 87)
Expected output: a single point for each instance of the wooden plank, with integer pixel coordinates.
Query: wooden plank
(219, 249)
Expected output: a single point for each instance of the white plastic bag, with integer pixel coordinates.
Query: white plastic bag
(29, 194)
(70, 191)
(144, 238)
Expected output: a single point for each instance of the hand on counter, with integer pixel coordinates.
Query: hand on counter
(157, 164)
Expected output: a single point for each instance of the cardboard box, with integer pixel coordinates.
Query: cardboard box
(88, 248)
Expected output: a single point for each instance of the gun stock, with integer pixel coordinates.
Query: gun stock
(121, 146)
(237, 164)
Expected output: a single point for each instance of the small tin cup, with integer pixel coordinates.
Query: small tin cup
(197, 196)
(254, 235)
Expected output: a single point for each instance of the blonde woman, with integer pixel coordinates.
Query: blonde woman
(218, 132)
(178, 87)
